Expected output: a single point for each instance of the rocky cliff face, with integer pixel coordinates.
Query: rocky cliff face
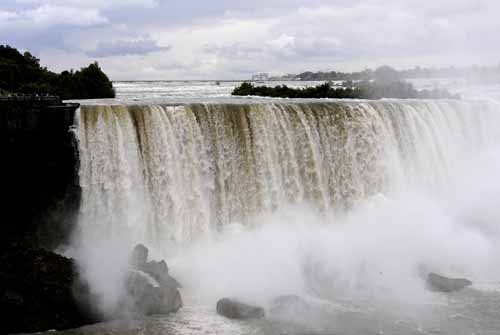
(40, 290)
(40, 195)
(39, 200)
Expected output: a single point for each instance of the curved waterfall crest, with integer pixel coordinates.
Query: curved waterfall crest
(172, 173)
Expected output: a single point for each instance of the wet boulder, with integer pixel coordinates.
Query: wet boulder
(149, 285)
(149, 297)
(139, 256)
(159, 271)
(234, 309)
(440, 283)
(41, 290)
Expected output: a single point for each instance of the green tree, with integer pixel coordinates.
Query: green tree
(94, 83)
(386, 74)
(22, 73)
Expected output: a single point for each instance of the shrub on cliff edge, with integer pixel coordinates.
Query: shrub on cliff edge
(22, 73)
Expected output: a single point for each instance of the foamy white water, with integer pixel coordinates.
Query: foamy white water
(174, 173)
(164, 90)
(343, 202)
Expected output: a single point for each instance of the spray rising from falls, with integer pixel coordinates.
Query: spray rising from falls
(174, 173)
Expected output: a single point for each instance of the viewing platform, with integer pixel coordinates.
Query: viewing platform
(31, 97)
(35, 100)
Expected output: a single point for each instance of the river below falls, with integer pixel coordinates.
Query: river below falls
(471, 312)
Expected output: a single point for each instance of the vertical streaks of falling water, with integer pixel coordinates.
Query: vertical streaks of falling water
(110, 172)
(172, 173)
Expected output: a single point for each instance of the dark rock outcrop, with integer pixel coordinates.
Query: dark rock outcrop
(39, 291)
(150, 286)
(159, 271)
(439, 283)
(149, 297)
(39, 171)
(234, 309)
(139, 256)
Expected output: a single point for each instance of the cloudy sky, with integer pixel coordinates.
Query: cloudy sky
(226, 39)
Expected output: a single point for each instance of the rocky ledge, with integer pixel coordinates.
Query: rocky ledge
(440, 283)
(234, 309)
(40, 290)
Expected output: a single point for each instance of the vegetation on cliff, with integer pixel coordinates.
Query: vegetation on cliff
(382, 73)
(479, 74)
(320, 91)
(22, 73)
(363, 90)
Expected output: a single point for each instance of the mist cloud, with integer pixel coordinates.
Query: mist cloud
(121, 48)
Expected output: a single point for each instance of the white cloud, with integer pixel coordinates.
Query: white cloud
(6, 16)
(283, 41)
(122, 48)
(48, 16)
(228, 39)
(94, 4)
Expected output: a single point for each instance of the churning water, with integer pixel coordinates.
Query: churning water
(345, 203)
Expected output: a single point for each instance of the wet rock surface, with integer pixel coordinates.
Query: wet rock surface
(159, 271)
(234, 309)
(40, 290)
(40, 187)
(139, 256)
(149, 297)
(150, 286)
(440, 283)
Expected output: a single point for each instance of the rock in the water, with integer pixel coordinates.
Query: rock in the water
(139, 256)
(159, 271)
(237, 310)
(149, 285)
(149, 297)
(439, 283)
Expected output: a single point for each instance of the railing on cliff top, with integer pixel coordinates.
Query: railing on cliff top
(49, 101)
(31, 98)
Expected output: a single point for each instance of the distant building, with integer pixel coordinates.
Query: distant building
(261, 76)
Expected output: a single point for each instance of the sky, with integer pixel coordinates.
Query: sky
(232, 39)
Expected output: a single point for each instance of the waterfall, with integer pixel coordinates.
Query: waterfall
(172, 173)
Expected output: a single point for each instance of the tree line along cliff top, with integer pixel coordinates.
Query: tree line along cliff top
(350, 90)
(384, 82)
(473, 74)
(23, 74)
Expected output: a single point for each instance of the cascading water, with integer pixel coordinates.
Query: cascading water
(346, 202)
(173, 173)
